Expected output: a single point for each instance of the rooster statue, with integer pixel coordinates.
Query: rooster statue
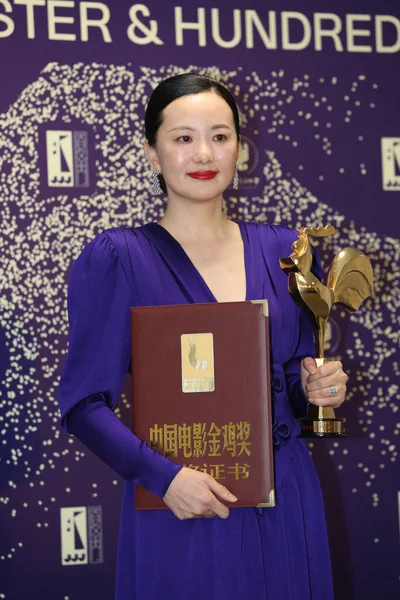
(349, 282)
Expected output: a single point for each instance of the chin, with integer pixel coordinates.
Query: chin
(205, 197)
(203, 191)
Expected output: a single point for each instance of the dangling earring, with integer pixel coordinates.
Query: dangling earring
(155, 182)
(235, 181)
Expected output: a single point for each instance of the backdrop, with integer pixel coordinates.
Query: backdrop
(318, 90)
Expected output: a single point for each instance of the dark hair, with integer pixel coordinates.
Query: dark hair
(175, 87)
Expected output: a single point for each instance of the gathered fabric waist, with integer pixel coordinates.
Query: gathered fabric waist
(285, 427)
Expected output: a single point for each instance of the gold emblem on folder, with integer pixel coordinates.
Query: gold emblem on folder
(197, 352)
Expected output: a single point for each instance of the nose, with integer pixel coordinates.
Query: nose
(203, 153)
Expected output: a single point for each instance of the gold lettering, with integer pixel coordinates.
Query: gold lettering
(217, 471)
(243, 434)
(185, 439)
(199, 440)
(171, 440)
(229, 437)
(239, 471)
(214, 440)
(156, 437)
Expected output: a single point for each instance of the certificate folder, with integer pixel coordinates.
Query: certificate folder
(201, 393)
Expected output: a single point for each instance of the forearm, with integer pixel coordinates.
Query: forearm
(96, 426)
(297, 397)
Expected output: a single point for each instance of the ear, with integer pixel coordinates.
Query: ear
(152, 157)
(239, 144)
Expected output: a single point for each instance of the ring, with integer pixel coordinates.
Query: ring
(333, 390)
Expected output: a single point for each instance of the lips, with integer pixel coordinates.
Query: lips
(203, 175)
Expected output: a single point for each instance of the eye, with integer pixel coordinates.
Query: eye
(184, 139)
(220, 137)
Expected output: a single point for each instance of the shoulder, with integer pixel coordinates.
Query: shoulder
(272, 238)
(116, 253)
(110, 243)
(101, 255)
(277, 241)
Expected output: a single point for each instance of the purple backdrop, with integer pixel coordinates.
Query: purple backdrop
(317, 85)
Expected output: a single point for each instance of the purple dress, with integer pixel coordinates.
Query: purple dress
(256, 554)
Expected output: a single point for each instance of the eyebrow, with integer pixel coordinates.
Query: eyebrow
(189, 128)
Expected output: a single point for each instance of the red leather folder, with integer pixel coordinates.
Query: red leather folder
(201, 393)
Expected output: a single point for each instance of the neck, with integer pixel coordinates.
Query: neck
(195, 221)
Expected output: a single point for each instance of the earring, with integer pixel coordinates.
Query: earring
(235, 182)
(155, 182)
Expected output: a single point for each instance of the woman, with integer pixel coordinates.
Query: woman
(196, 254)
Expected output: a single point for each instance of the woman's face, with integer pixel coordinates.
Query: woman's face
(197, 147)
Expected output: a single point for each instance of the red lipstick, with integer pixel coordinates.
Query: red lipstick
(203, 175)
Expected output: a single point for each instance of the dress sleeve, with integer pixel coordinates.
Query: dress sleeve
(305, 347)
(292, 367)
(99, 298)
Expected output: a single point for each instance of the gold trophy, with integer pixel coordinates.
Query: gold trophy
(350, 282)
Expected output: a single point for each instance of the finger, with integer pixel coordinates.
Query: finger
(331, 393)
(327, 392)
(325, 370)
(324, 383)
(221, 491)
(324, 397)
(309, 365)
(207, 514)
(220, 509)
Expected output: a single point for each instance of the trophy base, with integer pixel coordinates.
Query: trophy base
(321, 428)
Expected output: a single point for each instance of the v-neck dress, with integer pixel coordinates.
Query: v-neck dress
(278, 553)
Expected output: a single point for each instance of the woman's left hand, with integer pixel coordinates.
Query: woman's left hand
(320, 384)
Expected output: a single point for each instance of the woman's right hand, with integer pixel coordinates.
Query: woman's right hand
(193, 494)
